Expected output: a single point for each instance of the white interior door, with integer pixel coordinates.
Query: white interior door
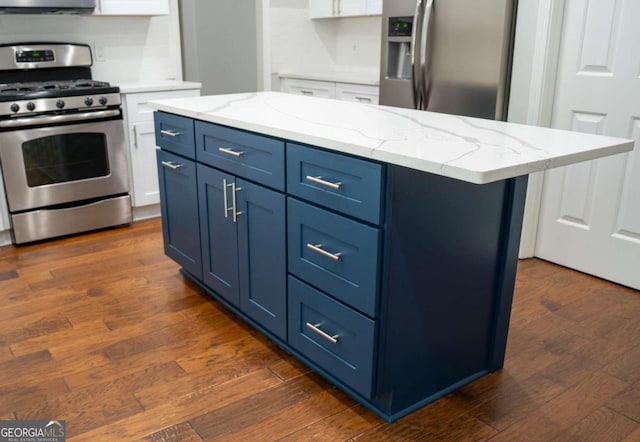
(590, 212)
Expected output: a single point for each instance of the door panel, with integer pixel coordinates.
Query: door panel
(590, 213)
(179, 206)
(219, 238)
(262, 249)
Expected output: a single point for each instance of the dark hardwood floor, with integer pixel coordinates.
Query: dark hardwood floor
(103, 331)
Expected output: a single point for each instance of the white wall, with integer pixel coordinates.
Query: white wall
(135, 49)
(299, 44)
(358, 41)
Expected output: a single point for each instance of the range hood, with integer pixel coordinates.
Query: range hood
(47, 6)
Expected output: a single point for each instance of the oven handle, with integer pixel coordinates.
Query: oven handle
(52, 119)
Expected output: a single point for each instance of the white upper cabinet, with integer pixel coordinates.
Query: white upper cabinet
(343, 8)
(322, 8)
(374, 7)
(132, 7)
(348, 8)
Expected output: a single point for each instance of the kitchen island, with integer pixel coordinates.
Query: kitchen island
(376, 244)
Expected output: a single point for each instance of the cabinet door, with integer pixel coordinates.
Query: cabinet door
(348, 8)
(179, 206)
(132, 7)
(262, 252)
(218, 231)
(374, 7)
(322, 8)
(143, 152)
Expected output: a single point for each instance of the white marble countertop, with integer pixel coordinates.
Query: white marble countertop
(159, 85)
(368, 79)
(469, 149)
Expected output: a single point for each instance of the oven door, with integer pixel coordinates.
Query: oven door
(49, 166)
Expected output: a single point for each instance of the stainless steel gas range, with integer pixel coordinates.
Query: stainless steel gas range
(62, 146)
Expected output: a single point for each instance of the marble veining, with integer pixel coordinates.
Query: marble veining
(465, 148)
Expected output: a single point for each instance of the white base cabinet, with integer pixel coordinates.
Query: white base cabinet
(311, 88)
(142, 143)
(132, 7)
(360, 93)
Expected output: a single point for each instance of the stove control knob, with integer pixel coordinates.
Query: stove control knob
(103, 100)
(15, 107)
(60, 104)
(88, 101)
(31, 106)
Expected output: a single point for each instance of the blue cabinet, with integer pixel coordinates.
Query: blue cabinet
(256, 157)
(339, 255)
(347, 185)
(175, 134)
(262, 261)
(242, 225)
(218, 232)
(179, 210)
(393, 283)
(334, 336)
(227, 232)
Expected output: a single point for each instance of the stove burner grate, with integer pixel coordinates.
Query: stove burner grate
(25, 88)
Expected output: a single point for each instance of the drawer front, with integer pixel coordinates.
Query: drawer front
(335, 254)
(310, 88)
(342, 183)
(338, 339)
(175, 134)
(358, 93)
(254, 157)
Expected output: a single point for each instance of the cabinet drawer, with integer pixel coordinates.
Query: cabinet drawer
(332, 335)
(310, 88)
(348, 185)
(175, 134)
(255, 157)
(358, 93)
(335, 254)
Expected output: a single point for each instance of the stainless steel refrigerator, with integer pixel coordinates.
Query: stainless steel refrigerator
(451, 56)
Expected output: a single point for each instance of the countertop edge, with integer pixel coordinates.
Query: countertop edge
(159, 86)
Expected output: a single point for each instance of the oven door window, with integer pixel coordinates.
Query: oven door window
(65, 157)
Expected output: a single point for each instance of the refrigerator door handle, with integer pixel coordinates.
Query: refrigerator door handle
(415, 68)
(425, 52)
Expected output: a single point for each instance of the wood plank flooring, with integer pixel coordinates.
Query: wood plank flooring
(103, 331)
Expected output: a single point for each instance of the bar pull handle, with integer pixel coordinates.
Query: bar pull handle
(308, 93)
(415, 71)
(225, 198)
(170, 133)
(228, 151)
(323, 182)
(316, 328)
(234, 204)
(135, 136)
(425, 53)
(364, 99)
(318, 249)
(171, 165)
